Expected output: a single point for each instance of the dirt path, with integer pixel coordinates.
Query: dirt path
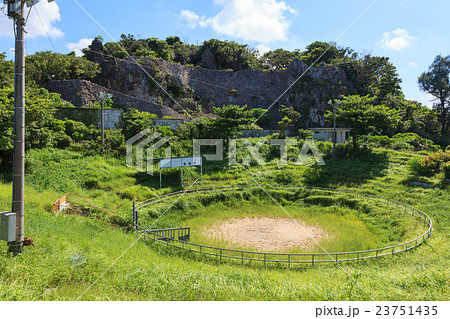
(266, 234)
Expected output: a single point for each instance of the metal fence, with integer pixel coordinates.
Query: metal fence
(287, 259)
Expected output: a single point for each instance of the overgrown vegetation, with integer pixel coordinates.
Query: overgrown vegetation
(72, 251)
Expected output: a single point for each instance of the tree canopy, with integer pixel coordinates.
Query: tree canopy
(231, 119)
(43, 67)
(278, 59)
(6, 71)
(359, 113)
(436, 82)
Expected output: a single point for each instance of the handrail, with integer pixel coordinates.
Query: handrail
(218, 251)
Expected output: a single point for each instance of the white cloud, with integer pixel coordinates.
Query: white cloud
(413, 64)
(262, 21)
(48, 13)
(262, 49)
(191, 18)
(397, 40)
(83, 43)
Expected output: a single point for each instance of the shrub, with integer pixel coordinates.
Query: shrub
(446, 169)
(429, 165)
(401, 141)
(419, 167)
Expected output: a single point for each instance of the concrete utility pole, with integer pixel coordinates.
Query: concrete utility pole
(335, 105)
(16, 10)
(19, 131)
(102, 102)
(103, 125)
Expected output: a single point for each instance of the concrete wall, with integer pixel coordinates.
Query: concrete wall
(91, 116)
(327, 135)
(172, 123)
(262, 133)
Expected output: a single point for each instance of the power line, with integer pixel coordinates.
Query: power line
(126, 52)
(51, 42)
(194, 80)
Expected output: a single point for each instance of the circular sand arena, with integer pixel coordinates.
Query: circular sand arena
(267, 234)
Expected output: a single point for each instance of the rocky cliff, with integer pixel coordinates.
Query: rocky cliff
(198, 89)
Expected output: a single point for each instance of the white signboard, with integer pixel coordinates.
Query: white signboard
(180, 162)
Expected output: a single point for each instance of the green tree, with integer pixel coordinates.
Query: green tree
(436, 83)
(278, 59)
(414, 116)
(6, 71)
(290, 116)
(371, 75)
(359, 113)
(41, 128)
(230, 55)
(326, 51)
(231, 119)
(43, 67)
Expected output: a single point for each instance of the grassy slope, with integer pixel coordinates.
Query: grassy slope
(71, 252)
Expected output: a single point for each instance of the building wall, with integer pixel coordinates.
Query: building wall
(327, 135)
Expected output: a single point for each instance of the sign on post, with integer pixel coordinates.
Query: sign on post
(181, 162)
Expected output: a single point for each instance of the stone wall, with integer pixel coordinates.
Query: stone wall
(210, 88)
(84, 93)
(91, 116)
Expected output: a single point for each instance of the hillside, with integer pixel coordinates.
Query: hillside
(199, 89)
(72, 251)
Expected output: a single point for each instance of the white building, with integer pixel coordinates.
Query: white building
(326, 134)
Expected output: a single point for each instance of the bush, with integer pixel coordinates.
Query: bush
(421, 168)
(431, 164)
(446, 169)
(401, 141)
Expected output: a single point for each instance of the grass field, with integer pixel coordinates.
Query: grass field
(71, 252)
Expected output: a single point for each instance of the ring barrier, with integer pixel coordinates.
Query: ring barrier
(179, 237)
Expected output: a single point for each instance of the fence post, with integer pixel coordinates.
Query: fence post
(134, 218)
(289, 260)
(313, 260)
(137, 218)
(264, 260)
(358, 257)
(242, 257)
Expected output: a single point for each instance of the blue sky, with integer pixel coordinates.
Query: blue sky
(410, 32)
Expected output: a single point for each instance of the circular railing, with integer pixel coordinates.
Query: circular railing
(179, 236)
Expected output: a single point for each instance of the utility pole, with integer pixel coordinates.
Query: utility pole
(19, 130)
(335, 105)
(16, 11)
(103, 125)
(102, 103)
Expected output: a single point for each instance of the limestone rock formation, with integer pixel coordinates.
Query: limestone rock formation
(192, 86)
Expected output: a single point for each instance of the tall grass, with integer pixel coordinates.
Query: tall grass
(71, 252)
